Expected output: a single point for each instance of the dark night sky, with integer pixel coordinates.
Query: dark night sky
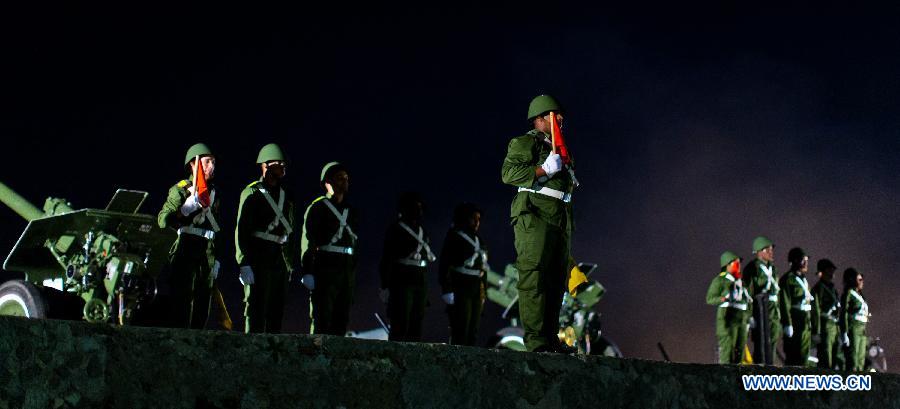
(695, 131)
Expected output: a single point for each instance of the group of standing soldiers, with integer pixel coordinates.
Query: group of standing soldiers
(271, 247)
(755, 300)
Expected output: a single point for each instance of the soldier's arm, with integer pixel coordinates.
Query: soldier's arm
(384, 268)
(244, 226)
(814, 313)
(519, 167)
(170, 214)
(717, 293)
(845, 307)
(444, 261)
(784, 300)
(292, 249)
(307, 241)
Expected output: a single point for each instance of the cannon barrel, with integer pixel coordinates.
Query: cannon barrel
(18, 204)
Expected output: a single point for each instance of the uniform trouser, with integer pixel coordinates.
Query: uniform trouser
(542, 256)
(330, 301)
(731, 330)
(264, 299)
(761, 347)
(856, 353)
(465, 313)
(191, 286)
(406, 303)
(796, 348)
(829, 347)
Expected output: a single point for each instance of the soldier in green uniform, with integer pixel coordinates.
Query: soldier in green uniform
(404, 264)
(329, 257)
(796, 305)
(541, 215)
(826, 308)
(194, 256)
(267, 245)
(853, 320)
(761, 279)
(462, 274)
(727, 292)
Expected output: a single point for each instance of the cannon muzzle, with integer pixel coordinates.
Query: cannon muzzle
(18, 204)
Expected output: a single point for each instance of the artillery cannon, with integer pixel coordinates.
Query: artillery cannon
(108, 259)
(579, 323)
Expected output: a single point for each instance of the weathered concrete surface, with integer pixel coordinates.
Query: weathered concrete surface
(51, 364)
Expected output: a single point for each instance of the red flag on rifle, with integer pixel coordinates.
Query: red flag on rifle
(559, 144)
(201, 190)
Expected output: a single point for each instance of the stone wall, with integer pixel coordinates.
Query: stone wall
(53, 364)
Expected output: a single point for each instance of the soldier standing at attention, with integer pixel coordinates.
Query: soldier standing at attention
(268, 250)
(853, 320)
(826, 309)
(194, 256)
(404, 264)
(761, 278)
(541, 215)
(462, 274)
(734, 306)
(329, 258)
(796, 306)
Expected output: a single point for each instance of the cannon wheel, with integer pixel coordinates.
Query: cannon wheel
(20, 298)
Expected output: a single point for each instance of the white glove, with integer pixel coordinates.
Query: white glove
(214, 273)
(845, 340)
(246, 276)
(789, 331)
(308, 281)
(752, 323)
(448, 298)
(552, 164)
(190, 205)
(384, 294)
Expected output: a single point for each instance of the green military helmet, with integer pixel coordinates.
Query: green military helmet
(269, 153)
(542, 104)
(330, 169)
(728, 257)
(796, 254)
(197, 149)
(761, 242)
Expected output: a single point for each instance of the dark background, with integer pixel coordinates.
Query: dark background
(695, 129)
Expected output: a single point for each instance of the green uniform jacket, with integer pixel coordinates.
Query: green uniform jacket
(399, 244)
(826, 304)
(722, 290)
(455, 253)
(254, 215)
(757, 282)
(852, 308)
(523, 155)
(320, 226)
(792, 296)
(170, 216)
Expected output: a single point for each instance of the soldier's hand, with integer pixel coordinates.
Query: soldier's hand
(214, 272)
(789, 331)
(384, 294)
(246, 276)
(752, 323)
(190, 206)
(845, 339)
(308, 281)
(552, 164)
(448, 298)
